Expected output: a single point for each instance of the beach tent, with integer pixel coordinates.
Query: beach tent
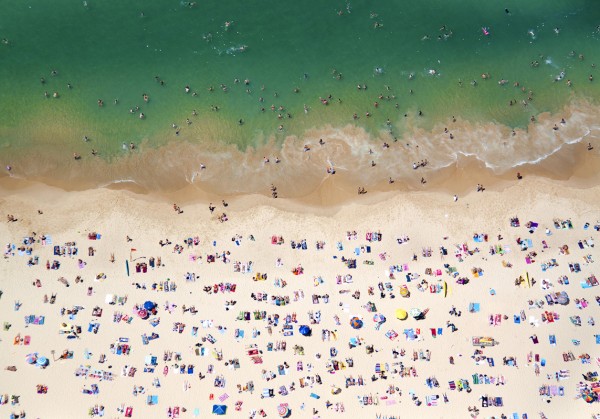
(305, 330)
(401, 314)
(356, 323)
(219, 409)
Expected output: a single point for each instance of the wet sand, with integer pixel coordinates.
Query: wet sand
(558, 154)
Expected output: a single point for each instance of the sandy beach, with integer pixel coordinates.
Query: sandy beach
(221, 309)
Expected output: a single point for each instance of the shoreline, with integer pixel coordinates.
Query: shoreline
(174, 171)
(336, 191)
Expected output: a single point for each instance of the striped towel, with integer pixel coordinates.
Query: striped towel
(223, 397)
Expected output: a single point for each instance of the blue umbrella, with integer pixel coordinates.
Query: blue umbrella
(219, 409)
(42, 361)
(356, 323)
(305, 330)
(149, 305)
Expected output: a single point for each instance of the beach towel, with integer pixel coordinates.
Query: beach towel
(552, 339)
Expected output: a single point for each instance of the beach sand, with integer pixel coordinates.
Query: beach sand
(428, 218)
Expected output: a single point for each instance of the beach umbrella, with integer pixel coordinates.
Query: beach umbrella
(283, 410)
(149, 305)
(563, 299)
(42, 361)
(143, 313)
(415, 312)
(401, 314)
(379, 318)
(219, 409)
(353, 341)
(31, 358)
(305, 330)
(356, 323)
(588, 396)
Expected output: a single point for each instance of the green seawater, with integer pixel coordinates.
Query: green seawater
(121, 50)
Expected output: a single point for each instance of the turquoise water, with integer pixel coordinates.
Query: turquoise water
(115, 50)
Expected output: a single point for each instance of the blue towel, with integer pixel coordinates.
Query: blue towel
(357, 251)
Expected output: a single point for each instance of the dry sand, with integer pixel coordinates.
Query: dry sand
(430, 219)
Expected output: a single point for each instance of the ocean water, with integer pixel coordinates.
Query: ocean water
(421, 63)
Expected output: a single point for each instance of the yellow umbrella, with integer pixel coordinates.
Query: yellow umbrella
(401, 314)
